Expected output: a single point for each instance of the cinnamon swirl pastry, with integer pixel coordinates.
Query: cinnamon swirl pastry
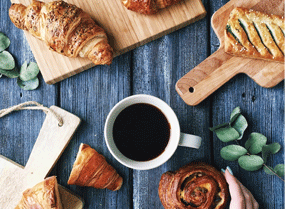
(196, 185)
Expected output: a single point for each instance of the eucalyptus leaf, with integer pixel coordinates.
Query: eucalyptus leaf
(234, 117)
(219, 126)
(240, 124)
(10, 73)
(235, 112)
(227, 134)
(270, 149)
(232, 152)
(7, 61)
(280, 170)
(30, 72)
(266, 170)
(255, 143)
(250, 162)
(28, 85)
(4, 42)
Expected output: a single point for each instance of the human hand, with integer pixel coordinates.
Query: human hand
(241, 198)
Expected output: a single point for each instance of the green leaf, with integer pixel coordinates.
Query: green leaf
(7, 61)
(227, 134)
(255, 143)
(234, 117)
(10, 73)
(250, 162)
(240, 124)
(30, 72)
(270, 149)
(28, 85)
(236, 111)
(219, 126)
(232, 152)
(269, 172)
(280, 170)
(4, 42)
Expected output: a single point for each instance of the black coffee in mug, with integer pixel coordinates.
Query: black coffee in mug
(141, 132)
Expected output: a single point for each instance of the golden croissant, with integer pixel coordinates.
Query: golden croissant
(44, 195)
(64, 28)
(148, 6)
(91, 169)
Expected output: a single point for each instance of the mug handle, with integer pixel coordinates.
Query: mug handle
(189, 140)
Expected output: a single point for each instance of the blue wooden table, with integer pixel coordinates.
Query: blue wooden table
(150, 69)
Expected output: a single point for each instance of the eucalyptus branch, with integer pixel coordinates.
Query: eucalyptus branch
(253, 155)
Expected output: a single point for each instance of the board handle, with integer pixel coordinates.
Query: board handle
(205, 78)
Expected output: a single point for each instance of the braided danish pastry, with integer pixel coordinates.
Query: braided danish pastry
(196, 185)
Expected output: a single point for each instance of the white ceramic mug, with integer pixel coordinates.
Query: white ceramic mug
(176, 137)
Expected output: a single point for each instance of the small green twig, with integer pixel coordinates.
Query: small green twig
(273, 171)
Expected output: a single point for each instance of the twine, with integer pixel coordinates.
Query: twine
(29, 106)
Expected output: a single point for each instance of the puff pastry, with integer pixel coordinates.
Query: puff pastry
(64, 28)
(195, 186)
(255, 34)
(45, 195)
(91, 169)
(148, 6)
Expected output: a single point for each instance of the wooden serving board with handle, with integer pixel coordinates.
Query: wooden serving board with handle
(126, 30)
(50, 144)
(220, 67)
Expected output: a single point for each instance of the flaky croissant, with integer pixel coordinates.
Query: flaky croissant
(148, 6)
(44, 195)
(65, 28)
(194, 186)
(91, 169)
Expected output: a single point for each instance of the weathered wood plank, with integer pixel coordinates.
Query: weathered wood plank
(264, 110)
(91, 95)
(157, 67)
(19, 131)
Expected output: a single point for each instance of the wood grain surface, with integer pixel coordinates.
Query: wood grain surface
(220, 67)
(126, 30)
(51, 142)
(151, 69)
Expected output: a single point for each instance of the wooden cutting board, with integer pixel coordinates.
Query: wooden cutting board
(220, 67)
(126, 30)
(50, 144)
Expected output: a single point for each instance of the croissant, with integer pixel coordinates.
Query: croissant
(44, 195)
(91, 169)
(148, 6)
(194, 186)
(65, 28)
